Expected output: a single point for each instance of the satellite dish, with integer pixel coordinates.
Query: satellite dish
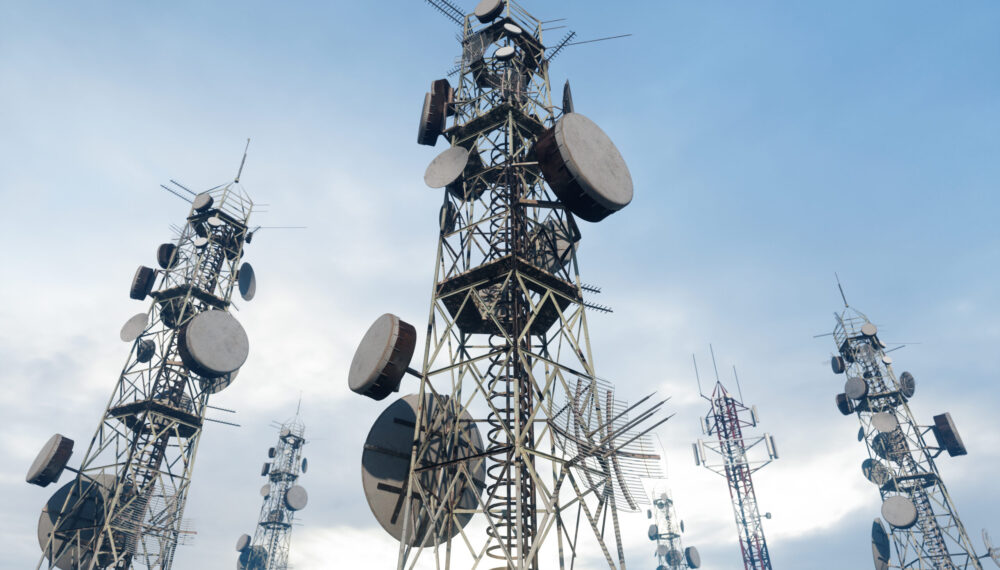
(296, 498)
(213, 343)
(899, 511)
(504, 53)
(134, 327)
(869, 330)
(305, 465)
(142, 283)
(446, 167)
(265, 491)
(844, 404)
(271, 452)
(200, 241)
(165, 255)
(385, 464)
(885, 422)
(880, 545)
(567, 101)
(692, 557)
(76, 550)
(837, 364)
(247, 281)
(947, 435)
(653, 532)
(202, 202)
(145, 350)
(856, 388)
(584, 168)
(382, 357)
(512, 29)
(488, 10)
(907, 385)
(50, 461)
(674, 557)
(876, 472)
(242, 543)
(448, 217)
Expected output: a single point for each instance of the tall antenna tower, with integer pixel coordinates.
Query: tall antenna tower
(124, 507)
(513, 453)
(283, 497)
(923, 523)
(731, 456)
(666, 530)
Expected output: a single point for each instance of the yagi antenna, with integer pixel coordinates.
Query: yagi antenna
(450, 11)
(242, 162)
(562, 43)
(181, 196)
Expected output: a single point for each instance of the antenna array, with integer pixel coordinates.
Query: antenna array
(125, 505)
(730, 456)
(923, 524)
(666, 530)
(283, 497)
(512, 453)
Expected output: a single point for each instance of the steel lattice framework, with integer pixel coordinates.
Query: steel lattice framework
(727, 418)
(272, 539)
(142, 456)
(507, 343)
(937, 539)
(666, 531)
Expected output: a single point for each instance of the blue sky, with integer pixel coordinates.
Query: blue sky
(771, 144)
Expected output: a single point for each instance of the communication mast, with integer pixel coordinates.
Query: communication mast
(666, 530)
(737, 457)
(513, 453)
(924, 526)
(283, 497)
(124, 507)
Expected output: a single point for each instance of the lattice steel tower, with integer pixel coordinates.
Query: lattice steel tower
(124, 507)
(283, 497)
(665, 531)
(736, 457)
(923, 523)
(507, 347)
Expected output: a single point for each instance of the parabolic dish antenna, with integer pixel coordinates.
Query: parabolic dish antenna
(886, 359)
(837, 364)
(252, 558)
(675, 558)
(446, 167)
(880, 545)
(512, 29)
(654, 532)
(876, 472)
(889, 446)
(242, 543)
(265, 491)
(899, 511)
(844, 404)
(432, 121)
(305, 465)
(134, 327)
(213, 343)
(296, 498)
(215, 221)
(584, 168)
(692, 557)
(84, 500)
(247, 282)
(662, 549)
(202, 202)
(200, 241)
(885, 422)
(50, 462)
(271, 452)
(145, 350)
(385, 465)
(907, 385)
(869, 330)
(504, 53)
(448, 217)
(142, 283)
(382, 357)
(217, 384)
(488, 10)
(165, 255)
(856, 388)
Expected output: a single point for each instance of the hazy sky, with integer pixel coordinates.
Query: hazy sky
(771, 145)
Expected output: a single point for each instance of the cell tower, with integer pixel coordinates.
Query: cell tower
(731, 457)
(124, 507)
(507, 347)
(923, 523)
(666, 530)
(283, 497)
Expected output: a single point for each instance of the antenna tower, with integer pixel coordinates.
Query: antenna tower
(731, 457)
(283, 497)
(124, 507)
(923, 524)
(513, 453)
(666, 530)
